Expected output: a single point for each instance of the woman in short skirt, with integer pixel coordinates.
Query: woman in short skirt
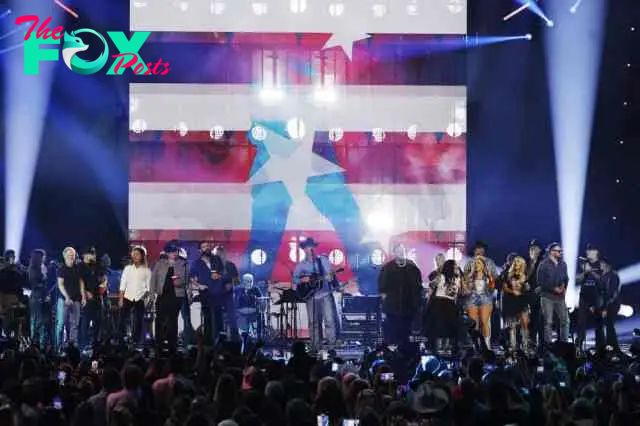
(443, 311)
(515, 303)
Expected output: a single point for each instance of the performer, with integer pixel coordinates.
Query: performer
(230, 277)
(515, 302)
(202, 280)
(71, 287)
(480, 250)
(321, 306)
(188, 335)
(246, 304)
(428, 328)
(135, 284)
(609, 285)
(168, 285)
(588, 280)
(553, 280)
(535, 317)
(37, 283)
(91, 318)
(400, 285)
(11, 283)
(444, 289)
(478, 287)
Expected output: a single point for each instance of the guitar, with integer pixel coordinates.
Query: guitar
(308, 289)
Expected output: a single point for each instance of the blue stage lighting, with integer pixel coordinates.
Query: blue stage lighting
(25, 99)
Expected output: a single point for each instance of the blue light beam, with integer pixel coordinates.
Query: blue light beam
(25, 101)
(573, 49)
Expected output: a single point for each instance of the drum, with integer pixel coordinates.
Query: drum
(246, 302)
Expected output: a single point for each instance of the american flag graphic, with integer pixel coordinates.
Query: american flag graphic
(288, 119)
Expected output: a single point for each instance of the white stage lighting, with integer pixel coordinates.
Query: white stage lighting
(182, 129)
(216, 133)
(217, 7)
(378, 134)
(259, 8)
(139, 126)
(325, 94)
(412, 132)
(336, 257)
(455, 129)
(625, 311)
(336, 134)
(271, 95)
(529, 37)
(379, 10)
(336, 9)
(259, 133)
(456, 6)
(296, 128)
(572, 69)
(298, 6)
(258, 257)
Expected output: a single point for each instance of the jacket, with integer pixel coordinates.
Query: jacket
(159, 274)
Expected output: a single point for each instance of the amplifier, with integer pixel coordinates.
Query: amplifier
(361, 304)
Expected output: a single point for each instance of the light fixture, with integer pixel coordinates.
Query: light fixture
(412, 132)
(216, 132)
(298, 6)
(378, 134)
(259, 8)
(336, 134)
(336, 9)
(139, 126)
(259, 133)
(296, 128)
(258, 257)
(182, 129)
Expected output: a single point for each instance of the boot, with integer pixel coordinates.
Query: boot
(513, 341)
(525, 339)
(447, 346)
(487, 342)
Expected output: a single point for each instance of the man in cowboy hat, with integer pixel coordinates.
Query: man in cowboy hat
(321, 306)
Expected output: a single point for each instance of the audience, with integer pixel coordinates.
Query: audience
(210, 387)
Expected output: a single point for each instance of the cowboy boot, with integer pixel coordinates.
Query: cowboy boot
(513, 341)
(525, 339)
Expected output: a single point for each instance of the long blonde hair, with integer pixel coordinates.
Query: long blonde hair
(518, 273)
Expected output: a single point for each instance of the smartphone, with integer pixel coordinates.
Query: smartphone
(386, 377)
(57, 403)
(61, 377)
(562, 384)
(540, 369)
(334, 367)
(94, 366)
(325, 355)
(637, 379)
(323, 420)
(287, 356)
(350, 422)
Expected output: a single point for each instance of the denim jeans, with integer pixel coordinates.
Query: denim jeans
(38, 321)
(219, 306)
(59, 325)
(72, 321)
(319, 311)
(554, 309)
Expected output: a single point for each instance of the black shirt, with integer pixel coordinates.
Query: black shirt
(71, 276)
(167, 289)
(11, 279)
(89, 274)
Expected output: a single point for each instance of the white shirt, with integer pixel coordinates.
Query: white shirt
(135, 282)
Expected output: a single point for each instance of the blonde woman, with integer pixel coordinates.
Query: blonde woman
(479, 285)
(515, 302)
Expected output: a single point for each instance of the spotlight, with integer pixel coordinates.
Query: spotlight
(550, 23)
(528, 37)
(573, 10)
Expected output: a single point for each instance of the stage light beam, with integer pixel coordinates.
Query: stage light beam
(573, 62)
(25, 104)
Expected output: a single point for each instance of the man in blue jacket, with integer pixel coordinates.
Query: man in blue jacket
(553, 280)
(608, 307)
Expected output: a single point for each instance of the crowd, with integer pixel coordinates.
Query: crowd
(229, 385)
